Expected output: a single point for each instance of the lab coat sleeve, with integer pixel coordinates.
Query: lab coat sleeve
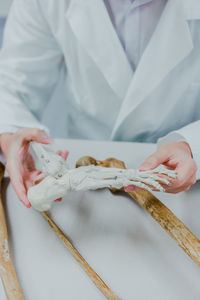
(189, 134)
(30, 63)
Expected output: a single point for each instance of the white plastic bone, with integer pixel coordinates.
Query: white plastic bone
(51, 163)
(63, 180)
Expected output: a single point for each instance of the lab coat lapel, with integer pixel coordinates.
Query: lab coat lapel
(91, 24)
(169, 45)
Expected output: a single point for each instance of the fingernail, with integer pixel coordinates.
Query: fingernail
(27, 204)
(58, 200)
(129, 188)
(145, 167)
(46, 140)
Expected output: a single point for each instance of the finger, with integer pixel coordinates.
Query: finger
(129, 188)
(174, 190)
(63, 154)
(58, 200)
(193, 180)
(34, 177)
(28, 162)
(60, 153)
(19, 188)
(178, 190)
(154, 160)
(184, 173)
(186, 176)
(34, 134)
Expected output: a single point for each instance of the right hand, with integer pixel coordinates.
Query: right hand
(20, 164)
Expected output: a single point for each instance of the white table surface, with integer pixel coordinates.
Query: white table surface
(125, 246)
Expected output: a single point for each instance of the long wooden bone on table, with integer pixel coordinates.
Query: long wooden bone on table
(161, 214)
(7, 271)
(100, 284)
(8, 275)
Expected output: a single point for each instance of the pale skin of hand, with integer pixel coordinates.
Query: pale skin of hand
(177, 156)
(23, 173)
(20, 164)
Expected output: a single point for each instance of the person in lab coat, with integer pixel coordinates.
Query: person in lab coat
(132, 73)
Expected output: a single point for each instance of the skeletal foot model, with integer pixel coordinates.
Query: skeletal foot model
(60, 180)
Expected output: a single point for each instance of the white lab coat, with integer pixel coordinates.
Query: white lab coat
(105, 99)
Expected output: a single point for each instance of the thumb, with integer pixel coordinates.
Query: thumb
(154, 160)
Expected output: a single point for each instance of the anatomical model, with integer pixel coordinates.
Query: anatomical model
(59, 180)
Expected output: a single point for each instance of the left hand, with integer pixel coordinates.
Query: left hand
(175, 155)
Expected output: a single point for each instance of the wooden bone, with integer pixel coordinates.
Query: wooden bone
(7, 271)
(159, 212)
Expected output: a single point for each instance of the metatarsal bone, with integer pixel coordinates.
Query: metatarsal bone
(157, 178)
(154, 184)
(91, 177)
(162, 170)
